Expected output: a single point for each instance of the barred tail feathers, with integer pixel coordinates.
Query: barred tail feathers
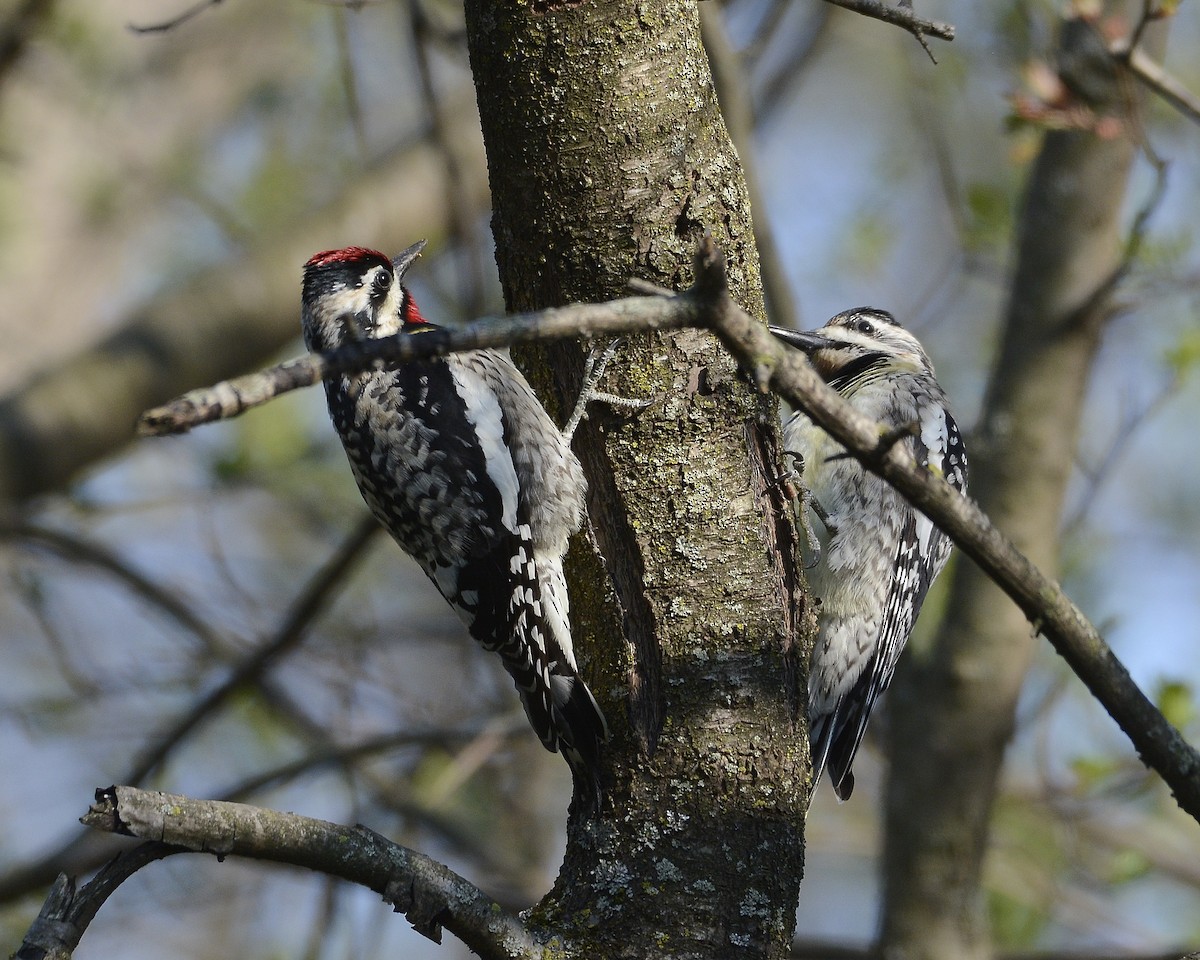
(582, 730)
(820, 736)
(556, 699)
(837, 734)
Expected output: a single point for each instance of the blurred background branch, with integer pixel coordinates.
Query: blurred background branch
(177, 181)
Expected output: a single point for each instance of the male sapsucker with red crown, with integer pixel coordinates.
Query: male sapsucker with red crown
(462, 465)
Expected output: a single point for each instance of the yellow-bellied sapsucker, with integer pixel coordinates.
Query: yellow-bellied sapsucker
(880, 554)
(462, 465)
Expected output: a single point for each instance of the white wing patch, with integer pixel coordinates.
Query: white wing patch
(924, 531)
(935, 435)
(483, 411)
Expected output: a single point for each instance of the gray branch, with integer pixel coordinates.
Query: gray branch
(900, 15)
(1161, 82)
(233, 397)
(430, 895)
(67, 911)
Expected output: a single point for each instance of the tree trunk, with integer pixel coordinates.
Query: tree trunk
(609, 159)
(953, 706)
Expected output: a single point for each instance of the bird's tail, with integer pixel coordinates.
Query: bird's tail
(827, 735)
(581, 729)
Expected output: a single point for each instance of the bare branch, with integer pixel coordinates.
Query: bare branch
(777, 79)
(730, 80)
(385, 792)
(231, 398)
(75, 548)
(462, 212)
(429, 894)
(1165, 84)
(349, 78)
(1128, 51)
(509, 727)
(82, 853)
(901, 16)
(1095, 476)
(178, 20)
(309, 603)
(67, 912)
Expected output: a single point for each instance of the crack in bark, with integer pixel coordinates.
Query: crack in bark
(779, 537)
(616, 543)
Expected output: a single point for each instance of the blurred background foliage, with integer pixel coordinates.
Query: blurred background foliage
(210, 615)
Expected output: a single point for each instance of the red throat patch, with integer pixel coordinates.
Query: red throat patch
(412, 314)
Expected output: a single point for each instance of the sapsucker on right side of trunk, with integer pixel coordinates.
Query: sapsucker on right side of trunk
(880, 555)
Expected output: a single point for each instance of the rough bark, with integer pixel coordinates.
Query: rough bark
(953, 706)
(608, 158)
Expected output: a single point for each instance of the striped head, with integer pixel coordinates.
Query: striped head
(355, 293)
(858, 347)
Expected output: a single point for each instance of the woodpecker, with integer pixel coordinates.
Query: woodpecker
(461, 464)
(879, 554)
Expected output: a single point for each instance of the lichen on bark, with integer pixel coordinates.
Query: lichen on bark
(608, 159)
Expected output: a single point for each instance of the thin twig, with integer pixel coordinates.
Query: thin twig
(1100, 298)
(66, 913)
(730, 81)
(349, 78)
(163, 26)
(900, 16)
(778, 79)
(385, 791)
(78, 549)
(231, 398)
(1165, 84)
(329, 753)
(311, 600)
(1127, 51)
(463, 214)
(767, 28)
(1130, 424)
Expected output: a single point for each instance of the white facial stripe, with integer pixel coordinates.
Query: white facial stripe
(355, 298)
(346, 300)
(841, 334)
(390, 321)
(905, 352)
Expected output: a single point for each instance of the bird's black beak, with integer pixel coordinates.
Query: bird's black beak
(403, 260)
(808, 342)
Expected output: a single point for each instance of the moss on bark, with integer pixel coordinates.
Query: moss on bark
(609, 159)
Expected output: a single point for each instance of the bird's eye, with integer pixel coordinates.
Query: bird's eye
(380, 284)
(865, 326)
